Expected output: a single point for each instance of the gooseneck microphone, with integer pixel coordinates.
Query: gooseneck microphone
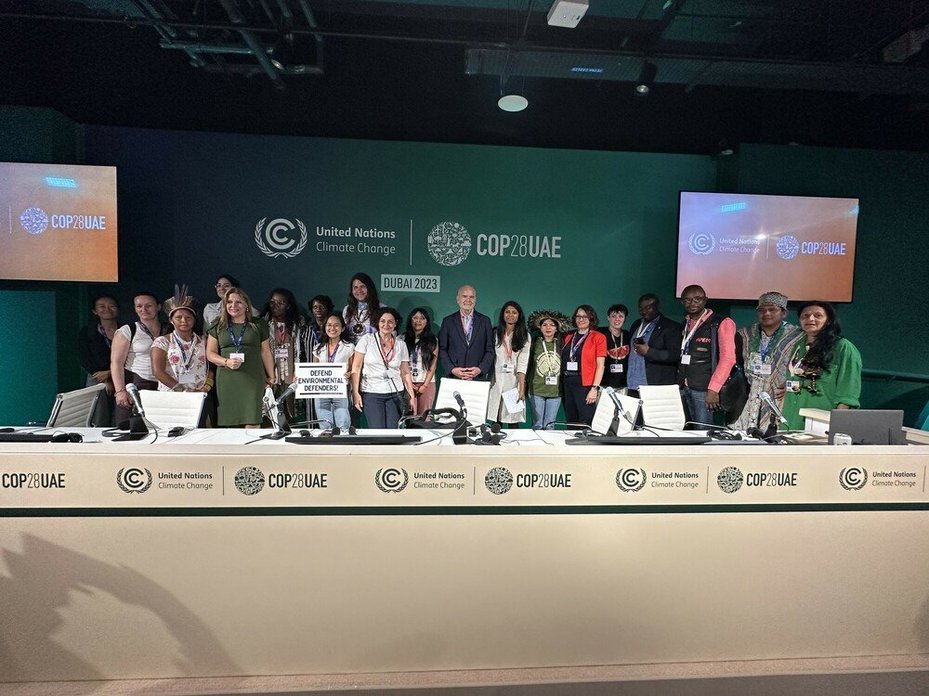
(766, 397)
(133, 392)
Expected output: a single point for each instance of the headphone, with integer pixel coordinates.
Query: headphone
(489, 435)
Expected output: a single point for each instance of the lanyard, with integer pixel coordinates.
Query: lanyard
(386, 357)
(185, 360)
(685, 344)
(146, 330)
(551, 366)
(765, 349)
(237, 341)
(102, 332)
(331, 355)
(644, 328)
(280, 329)
(508, 347)
(577, 345)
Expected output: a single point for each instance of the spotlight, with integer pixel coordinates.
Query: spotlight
(646, 79)
(512, 102)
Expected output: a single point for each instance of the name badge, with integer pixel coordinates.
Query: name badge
(507, 369)
(571, 366)
(237, 356)
(188, 378)
(685, 359)
(280, 353)
(414, 371)
(551, 381)
(793, 385)
(761, 369)
(616, 367)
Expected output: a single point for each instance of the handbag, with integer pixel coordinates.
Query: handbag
(733, 395)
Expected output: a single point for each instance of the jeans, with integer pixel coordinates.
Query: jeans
(382, 410)
(695, 406)
(335, 411)
(544, 411)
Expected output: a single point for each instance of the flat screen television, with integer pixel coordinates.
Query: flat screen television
(58, 222)
(738, 246)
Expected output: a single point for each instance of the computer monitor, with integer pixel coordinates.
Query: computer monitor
(868, 426)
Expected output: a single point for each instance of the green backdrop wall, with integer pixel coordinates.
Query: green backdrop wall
(191, 203)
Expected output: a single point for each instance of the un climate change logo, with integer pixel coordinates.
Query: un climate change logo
(391, 480)
(788, 247)
(853, 478)
(249, 480)
(34, 220)
(449, 243)
(134, 479)
(630, 480)
(279, 238)
(701, 243)
(729, 479)
(498, 480)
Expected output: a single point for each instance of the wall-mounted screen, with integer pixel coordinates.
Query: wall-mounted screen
(58, 222)
(738, 246)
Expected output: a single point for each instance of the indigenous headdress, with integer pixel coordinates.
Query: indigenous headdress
(561, 321)
(774, 298)
(181, 300)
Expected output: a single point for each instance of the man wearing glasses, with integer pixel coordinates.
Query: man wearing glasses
(707, 355)
(466, 344)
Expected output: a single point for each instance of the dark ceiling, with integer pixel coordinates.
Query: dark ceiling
(817, 72)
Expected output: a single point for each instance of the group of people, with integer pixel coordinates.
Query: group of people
(534, 367)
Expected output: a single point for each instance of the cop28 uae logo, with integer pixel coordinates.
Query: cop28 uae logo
(788, 247)
(449, 243)
(498, 480)
(34, 220)
(249, 480)
(280, 237)
(730, 479)
(701, 243)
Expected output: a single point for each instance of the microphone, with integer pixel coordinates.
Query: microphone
(291, 389)
(766, 397)
(133, 392)
(461, 404)
(620, 409)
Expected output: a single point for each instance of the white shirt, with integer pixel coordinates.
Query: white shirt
(375, 378)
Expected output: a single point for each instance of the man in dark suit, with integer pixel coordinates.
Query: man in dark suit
(466, 343)
(656, 346)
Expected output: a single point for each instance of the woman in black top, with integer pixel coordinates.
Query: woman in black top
(617, 346)
(93, 348)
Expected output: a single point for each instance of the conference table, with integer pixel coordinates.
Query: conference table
(217, 560)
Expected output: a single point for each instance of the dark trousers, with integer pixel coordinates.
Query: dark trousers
(381, 410)
(576, 408)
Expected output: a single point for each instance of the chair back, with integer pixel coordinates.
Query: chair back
(75, 409)
(662, 406)
(171, 409)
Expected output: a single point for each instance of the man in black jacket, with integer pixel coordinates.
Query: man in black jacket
(656, 346)
(466, 345)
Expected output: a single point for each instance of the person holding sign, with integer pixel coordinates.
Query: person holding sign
(334, 349)
(239, 345)
(381, 373)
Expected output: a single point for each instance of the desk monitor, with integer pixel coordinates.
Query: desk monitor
(868, 426)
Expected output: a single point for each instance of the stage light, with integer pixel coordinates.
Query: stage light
(646, 79)
(512, 102)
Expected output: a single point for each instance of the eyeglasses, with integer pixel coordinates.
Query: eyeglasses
(692, 300)
(581, 316)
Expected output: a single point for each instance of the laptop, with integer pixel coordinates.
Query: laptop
(867, 426)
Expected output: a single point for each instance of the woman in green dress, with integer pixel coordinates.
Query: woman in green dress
(824, 370)
(238, 344)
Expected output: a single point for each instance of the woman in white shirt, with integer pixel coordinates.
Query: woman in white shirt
(334, 349)
(423, 347)
(130, 354)
(212, 311)
(511, 346)
(381, 373)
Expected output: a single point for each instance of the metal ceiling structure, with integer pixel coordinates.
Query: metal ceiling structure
(847, 73)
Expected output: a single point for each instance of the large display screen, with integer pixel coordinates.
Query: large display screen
(738, 246)
(58, 222)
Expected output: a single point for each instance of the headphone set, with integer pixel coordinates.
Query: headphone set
(334, 432)
(488, 435)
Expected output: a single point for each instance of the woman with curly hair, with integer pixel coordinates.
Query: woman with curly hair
(284, 325)
(824, 370)
(511, 352)
(363, 304)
